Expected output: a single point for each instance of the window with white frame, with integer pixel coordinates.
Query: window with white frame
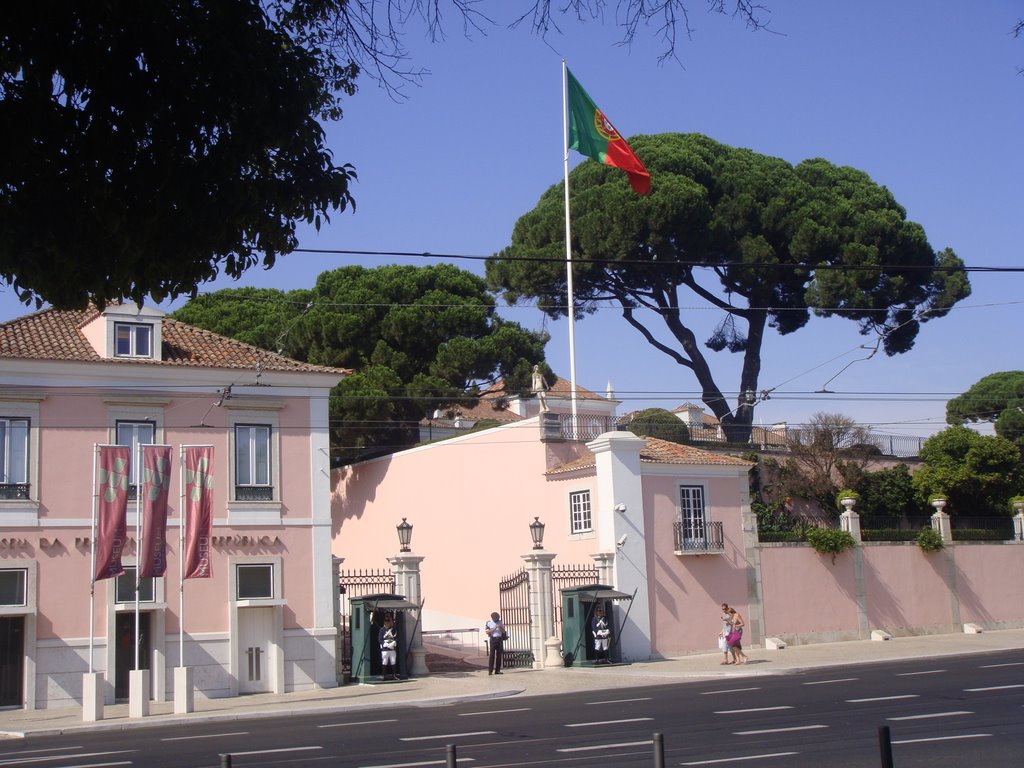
(124, 587)
(580, 518)
(253, 481)
(254, 581)
(13, 592)
(133, 434)
(692, 514)
(133, 340)
(14, 435)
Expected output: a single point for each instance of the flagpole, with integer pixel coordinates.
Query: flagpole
(568, 250)
(92, 547)
(138, 543)
(181, 556)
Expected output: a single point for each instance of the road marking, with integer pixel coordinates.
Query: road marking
(1005, 664)
(425, 762)
(730, 690)
(742, 757)
(944, 738)
(494, 712)
(926, 672)
(76, 756)
(829, 682)
(361, 722)
(618, 701)
(933, 714)
(780, 730)
(883, 698)
(448, 736)
(205, 736)
(607, 746)
(994, 688)
(98, 765)
(275, 751)
(755, 709)
(608, 722)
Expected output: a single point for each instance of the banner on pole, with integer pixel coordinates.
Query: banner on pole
(198, 511)
(155, 487)
(112, 526)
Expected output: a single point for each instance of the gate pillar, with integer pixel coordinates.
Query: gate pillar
(407, 582)
(542, 613)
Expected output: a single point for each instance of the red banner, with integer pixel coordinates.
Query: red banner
(155, 485)
(198, 511)
(112, 493)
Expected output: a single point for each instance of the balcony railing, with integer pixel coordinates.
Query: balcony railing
(699, 539)
(14, 491)
(254, 493)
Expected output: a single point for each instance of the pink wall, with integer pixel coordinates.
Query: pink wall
(988, 581)
(906, 588)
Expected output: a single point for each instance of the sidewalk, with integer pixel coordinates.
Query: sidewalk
(473, 685)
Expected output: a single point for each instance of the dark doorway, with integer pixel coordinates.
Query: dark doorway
(124, 653)
(12, 661)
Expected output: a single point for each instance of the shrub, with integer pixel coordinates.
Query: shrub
(829, 541)
(930, 540)
(657, 422)
(846, 493)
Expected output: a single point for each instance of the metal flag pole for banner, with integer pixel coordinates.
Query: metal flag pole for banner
(568, 247)
(138, 544)
(181, 555)
(92, 548)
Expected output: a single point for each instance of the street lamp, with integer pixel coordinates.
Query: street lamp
(537, 533)
(404, 534)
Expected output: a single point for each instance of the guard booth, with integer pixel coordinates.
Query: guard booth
(578, 604)
(366, 620)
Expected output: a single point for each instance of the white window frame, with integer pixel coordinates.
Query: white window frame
(275, 562)
(693, 521)
(155, 588)
(134, 330)
(260, 436)
(24, 587)
(581, 512)
(6, 439)
(134, 443)
(23, 512)
(261, 412)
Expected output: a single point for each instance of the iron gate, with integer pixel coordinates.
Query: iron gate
(514, 606)
(351, 584)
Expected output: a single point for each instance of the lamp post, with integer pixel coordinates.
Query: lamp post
(537, 533)
(404, 529)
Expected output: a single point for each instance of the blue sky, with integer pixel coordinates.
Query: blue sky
(924, 97)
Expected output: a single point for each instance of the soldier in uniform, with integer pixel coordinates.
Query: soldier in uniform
(602, 635)
(388, 638)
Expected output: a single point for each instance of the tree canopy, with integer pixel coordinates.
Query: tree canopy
(780, 241)
(996, 398)
(150, 147)
(417, 339)
(660, 423)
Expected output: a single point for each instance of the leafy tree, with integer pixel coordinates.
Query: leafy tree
(151, 146)
(996, 398)
(417, 339)
(976, 473)
(781, 242)
(887, 493)
(660, 423)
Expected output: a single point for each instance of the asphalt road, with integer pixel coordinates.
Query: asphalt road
(959, 711)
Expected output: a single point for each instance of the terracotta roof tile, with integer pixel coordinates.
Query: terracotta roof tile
(656, 451)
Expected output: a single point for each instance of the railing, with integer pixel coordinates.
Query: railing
(563, 577)
(699, 538)
(14, 490)
(254, 493)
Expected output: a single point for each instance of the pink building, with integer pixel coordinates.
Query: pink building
(266, 618)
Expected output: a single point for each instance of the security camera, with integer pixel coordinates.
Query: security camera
(620, 507)
(622, 540)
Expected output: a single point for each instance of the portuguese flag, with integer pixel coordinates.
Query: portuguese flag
(592, 134)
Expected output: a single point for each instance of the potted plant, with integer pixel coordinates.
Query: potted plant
(1017, 503)
(829, 541)
(847, 493)
(938, 500)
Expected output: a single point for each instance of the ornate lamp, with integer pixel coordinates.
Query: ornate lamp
(537, 533)
(404, 535)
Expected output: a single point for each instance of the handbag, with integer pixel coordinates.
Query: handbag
(733, 638)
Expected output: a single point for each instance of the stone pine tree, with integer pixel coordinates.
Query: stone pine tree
(765, 243)
(997, 398)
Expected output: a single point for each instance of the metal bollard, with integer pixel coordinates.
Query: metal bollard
(659, 751)
(451, 759)
(225, 761)
(885, 746)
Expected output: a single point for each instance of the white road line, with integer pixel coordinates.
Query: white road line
(425, 762)
(883, 698)
(205, 736)
(276, 751)
(608, 722)
(77, 756)
(494, 712)
(1005, 664)
(944, 738)
(361, 722)
(606, 746)
(741, 758)
(97, 765)
(829, 682)
(780, 730)
(448, 736)
(729, 690)
(994, 688)
(926, 672)
(755, 709)
(38, 751)
(618, 701)
(933, 714)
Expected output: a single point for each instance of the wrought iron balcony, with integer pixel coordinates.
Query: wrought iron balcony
(699, 539)
(14, 490)
(254, 493)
